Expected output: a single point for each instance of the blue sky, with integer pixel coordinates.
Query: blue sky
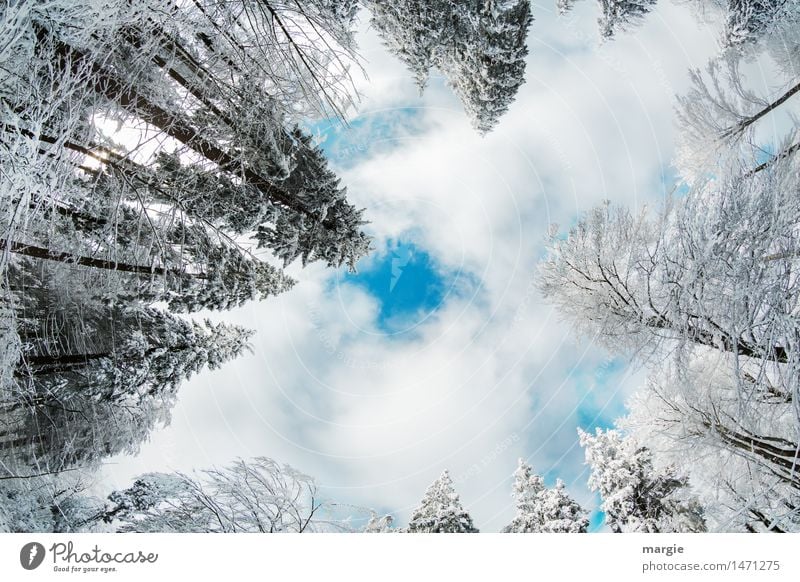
(439, 353)
(407, 284)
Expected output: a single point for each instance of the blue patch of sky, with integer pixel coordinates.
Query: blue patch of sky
(368, 134)
(765, 153)
(672, 183)
(601, 406)
(409, 285)
(601, 403)
(596, 517)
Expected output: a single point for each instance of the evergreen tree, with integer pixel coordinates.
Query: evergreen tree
(94, 379)
(564, 6)
(748, 20)
(621, 15)
(561, 513)
(440, 511)
(157, 63)
(541, 509)
(415, 32)
(478, 45)
(637, 496)
(97, 233)
(486, 66)
(45, 503)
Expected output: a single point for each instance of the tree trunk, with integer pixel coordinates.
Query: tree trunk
(63, 257)
(784, 154)
(174, 125)
(725, 343)
(739, 128)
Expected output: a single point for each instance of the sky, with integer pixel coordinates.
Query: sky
(439, 352)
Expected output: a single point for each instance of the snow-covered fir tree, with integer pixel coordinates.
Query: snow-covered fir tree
(414, 31)
(158, 63)
(479, 46)
(45, 503)
(564, 6)
(102, 228)
(93, 379)
(616, 16)
(745, 21)
(621, 15)
(440, 510)
(541, 509)
(487, 68)
(637, 495)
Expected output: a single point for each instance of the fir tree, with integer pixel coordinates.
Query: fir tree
(94, 379)
(541, 509)
(486, 66)
(440, 511)
(478, 45)
(621, 15)
(748, 20)
(637, 496)
(415, 32)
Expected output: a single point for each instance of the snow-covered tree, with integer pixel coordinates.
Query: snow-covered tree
(414, 31)
(541, 509)
(486, 66)
(637, 495)
(46, 503)
(162, 65)
(705, 295)
(748, 20)
(745, 21)
(708, 272)
(148, 149)
(741, 459)
(718, 115)
(248, 496)
(92, 379)
(564, 6)
(561, 513)
(440, 510)
(621, 15)
(616, 16)
(479, 46)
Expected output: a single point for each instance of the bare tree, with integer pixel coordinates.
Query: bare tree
(718, 115)
(257, 495)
